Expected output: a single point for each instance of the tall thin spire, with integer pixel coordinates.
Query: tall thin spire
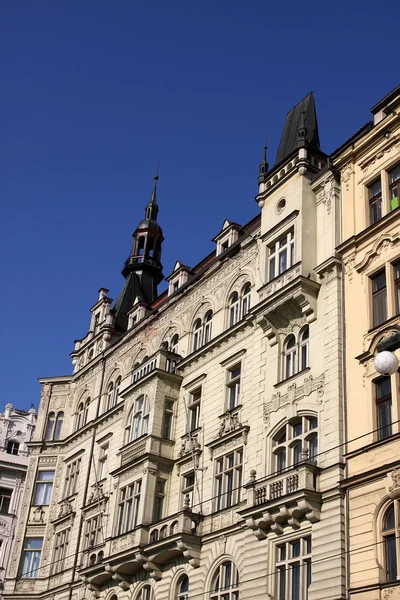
(263, 168)
(152, 206)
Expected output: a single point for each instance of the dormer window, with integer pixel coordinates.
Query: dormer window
(178, 278)
(229, 235)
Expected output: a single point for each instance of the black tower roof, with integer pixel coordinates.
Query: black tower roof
(293, 122)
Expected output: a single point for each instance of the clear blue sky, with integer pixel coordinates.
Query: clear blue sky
(95, 92)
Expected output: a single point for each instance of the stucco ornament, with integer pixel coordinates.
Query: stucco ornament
(386, 363)
(393, 484)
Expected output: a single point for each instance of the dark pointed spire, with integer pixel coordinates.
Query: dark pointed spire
(263, 168)
(152, 206)
(303, 113)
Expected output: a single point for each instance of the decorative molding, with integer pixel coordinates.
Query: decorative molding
(382, 244)
(295, 394)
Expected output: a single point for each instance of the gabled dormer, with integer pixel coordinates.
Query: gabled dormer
(228, 235)
(102, 323)
(178, 277)
(138, 311)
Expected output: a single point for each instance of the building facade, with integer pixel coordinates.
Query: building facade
(16, 431)
(369, 164)
(197, 449)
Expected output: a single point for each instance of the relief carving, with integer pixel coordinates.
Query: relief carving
(294, 394)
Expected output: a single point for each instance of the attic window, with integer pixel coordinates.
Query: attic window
(175, 286)
(224, 246)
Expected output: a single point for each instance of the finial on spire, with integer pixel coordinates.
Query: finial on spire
(302, 130)
(153, 199)
(263, 168)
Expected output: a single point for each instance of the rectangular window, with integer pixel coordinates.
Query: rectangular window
(375, 201)
(396, 267)
(159, 498)
(5, 500)
(228, 479)
(379, 298)
(188, 483)
(293, 568)
(31, 554)
(383, 393)
(394, 183)
(128, 506)
(167, 420)
(102, 464)
(60, 551)
(194, 409)
(93, 532)
(71, 477)
(233, 387)
(43, 488)
(281, 255)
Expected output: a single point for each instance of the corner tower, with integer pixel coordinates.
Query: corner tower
(143, 268)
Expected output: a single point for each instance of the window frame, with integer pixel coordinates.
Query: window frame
(12, 447)
(379, 298)
(71, 477)
(5, 493)
(384, 428)
(129, 506)
(226, 573)
(394, 185)
(168, 419)
(284, 246)
(287, 438)
(234, 309)
(375, 202)
(30, 558)
(182, 594)
(159, 499)
(60, 551)
(286, 557)
(43, 488)
(194, 409)
(102, 461)
(233, 385)
(228, 477)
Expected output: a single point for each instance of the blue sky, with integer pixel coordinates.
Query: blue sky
(95, 93)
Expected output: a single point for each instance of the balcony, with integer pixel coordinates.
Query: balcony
(283, 499)
(145, 445)
(163, 360)
(147, 547)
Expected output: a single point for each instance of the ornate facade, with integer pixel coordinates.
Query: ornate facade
(197, 449)
(16, 430)
(369, 164)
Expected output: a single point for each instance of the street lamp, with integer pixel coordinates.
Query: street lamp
(386, 363)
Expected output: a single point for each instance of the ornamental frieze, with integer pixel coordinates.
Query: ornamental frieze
(295, 393)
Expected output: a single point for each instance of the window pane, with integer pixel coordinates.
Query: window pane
(391, 557)
(282, 261)
(389, 520)
(282, 583)
(295, 581)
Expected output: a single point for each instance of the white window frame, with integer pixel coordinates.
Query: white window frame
(129, 506)
(71, 477)
(301, 430)
(225, 583)
(207, 327)
(168, 419)
(182, 592)
(30, 559)
(93, 535)
(43, 488)
(228, 474)
(246, 299)
(60, 553)
(293, 554)
(159, 499)
(102, 461)
(281, 251)
(234, 309)
(194, 409)
(233, 386)
(188, 486)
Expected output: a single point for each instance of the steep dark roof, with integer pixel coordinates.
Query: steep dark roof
(123, 304)
(289, 137)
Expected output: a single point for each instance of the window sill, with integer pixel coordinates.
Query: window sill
(192, 432)
(288, 379)
(232, 411)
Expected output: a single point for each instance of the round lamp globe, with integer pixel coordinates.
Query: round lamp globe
(386, 363)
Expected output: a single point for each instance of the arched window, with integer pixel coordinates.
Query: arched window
(117, 389)
(140, 422)
(51, 419)
(197, 334)
(59, 425)
(290, 355)
(390, 534)
(234, 309)
(12, 447)
(304, 339)
(225, 584)
(246, 299)
(174, 343)
(295, 442)
(145, 593)
(82, 414)
(79, 416)
(110, 396)
(183, 588)
(208, 327)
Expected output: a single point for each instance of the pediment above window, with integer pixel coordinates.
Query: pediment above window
(230, 433)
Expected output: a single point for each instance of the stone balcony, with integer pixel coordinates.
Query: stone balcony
(147, 546)
(146, 445)
(163, 360)
(283, 499)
